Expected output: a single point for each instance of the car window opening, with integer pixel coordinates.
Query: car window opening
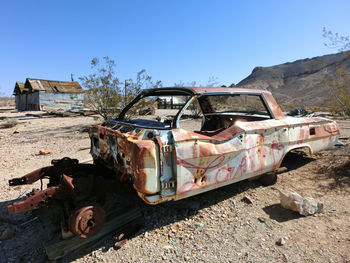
(212, 114)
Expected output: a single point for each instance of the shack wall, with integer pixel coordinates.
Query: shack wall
(21, 101)
(63, 101)
(32, 101)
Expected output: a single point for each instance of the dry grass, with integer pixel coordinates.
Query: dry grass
(7, 102)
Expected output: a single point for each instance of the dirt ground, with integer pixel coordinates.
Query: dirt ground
(217, 226)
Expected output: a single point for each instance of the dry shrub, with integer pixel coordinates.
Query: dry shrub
(8, 123)
(7, 102)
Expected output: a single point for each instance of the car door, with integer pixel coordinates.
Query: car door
(204, 163)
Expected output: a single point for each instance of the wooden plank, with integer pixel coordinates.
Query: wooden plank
(116, 223)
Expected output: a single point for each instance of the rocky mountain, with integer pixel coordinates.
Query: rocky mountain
(299, 83)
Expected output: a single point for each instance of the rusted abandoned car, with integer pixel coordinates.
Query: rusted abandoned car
(242, 134)
(199, 139)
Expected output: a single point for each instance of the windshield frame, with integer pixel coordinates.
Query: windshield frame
(178, 91)
(151, 93)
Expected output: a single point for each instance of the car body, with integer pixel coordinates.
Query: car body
(167, 162)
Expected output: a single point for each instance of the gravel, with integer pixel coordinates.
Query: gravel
(217, 226)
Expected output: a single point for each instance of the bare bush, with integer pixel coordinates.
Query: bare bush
(339, 83)
(8, 123)
(7, 102)
(106, 94)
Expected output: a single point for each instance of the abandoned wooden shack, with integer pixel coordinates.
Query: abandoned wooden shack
(170, 102)
(49, 95)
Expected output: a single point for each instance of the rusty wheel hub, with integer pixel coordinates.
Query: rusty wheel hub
(87, 221)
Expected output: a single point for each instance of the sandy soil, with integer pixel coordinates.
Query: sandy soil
(222, 229)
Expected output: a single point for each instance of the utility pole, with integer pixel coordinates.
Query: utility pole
(125, 84)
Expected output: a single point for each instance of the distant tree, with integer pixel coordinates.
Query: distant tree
(336, 41)
(339, 83)
(106, 94)
(213, 82)
(194, 106)
(2, 94)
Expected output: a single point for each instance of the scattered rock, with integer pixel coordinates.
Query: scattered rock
(304, 205)
(234, 202)
(247, 199)
(45, 152)
(167, 247)
(261, 219)
(120, 243)
(7, 234)
(15, 132)
(282, 241)
(200, 225)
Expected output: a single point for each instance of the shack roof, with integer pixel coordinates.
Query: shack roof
(53, 86)
(19, 88)
(20, 84)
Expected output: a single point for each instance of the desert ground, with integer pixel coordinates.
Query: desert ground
(218, 226)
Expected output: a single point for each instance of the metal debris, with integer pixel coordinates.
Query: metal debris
(45, 152)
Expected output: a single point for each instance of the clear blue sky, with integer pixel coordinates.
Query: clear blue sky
(174, 41)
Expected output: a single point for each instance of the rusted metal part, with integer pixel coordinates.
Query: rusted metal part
(29, 178)
(120, 243)
(67, 180)
(127, 220)
(33, 201)
(71, 184)
(127, 153)
(275, 108)
(181, 135)
(53, 172)
(87, 221)
(259, 149)
(221, 90)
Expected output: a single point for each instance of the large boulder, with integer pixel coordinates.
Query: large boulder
(303, 205)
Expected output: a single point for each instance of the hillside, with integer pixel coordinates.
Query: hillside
(300, 82)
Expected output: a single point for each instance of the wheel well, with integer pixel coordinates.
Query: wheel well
(290, 156)
(305, 149)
